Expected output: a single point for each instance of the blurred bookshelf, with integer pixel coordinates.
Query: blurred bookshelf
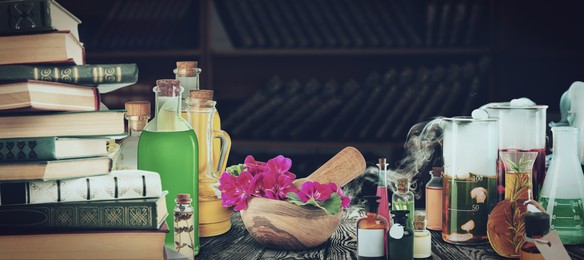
(242, 44)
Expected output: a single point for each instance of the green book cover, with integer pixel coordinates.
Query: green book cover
(107, 77)
(118, 214)
(25, 16)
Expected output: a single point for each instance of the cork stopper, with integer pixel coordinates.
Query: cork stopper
(382, 162)
(437, 171)
(201, 94)
(137, 108)
(186, 68)
(183, 198)
(402, 184)
(419, 220)
(167, 87)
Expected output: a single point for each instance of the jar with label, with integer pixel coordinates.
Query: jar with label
(371, 231)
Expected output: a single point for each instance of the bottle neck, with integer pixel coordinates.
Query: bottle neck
(565, 141)
(189, 78)
(168, 101)
(136, 124)
(382, 178)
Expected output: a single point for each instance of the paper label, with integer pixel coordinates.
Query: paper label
(396, 231)
(554, 249)
(370, 242)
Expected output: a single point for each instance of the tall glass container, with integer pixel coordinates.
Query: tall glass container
(137, 114)
(184, 226)
(168, 145)
(382, 189)
(469, 180)
(213, 217)
(562, 195)
(521, 129)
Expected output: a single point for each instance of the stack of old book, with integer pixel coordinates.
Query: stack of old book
(58, 198)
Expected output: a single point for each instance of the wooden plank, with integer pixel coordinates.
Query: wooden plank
(235, 244)
(343, 243)
(315, 253)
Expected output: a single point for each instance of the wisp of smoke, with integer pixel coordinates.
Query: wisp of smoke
(419, 150)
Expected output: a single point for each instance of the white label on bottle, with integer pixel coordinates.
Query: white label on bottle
(370, 242)
(396, 231)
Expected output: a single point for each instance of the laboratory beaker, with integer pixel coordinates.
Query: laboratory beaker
(469, 179)
(521, 128)
(562, 194)
(518, 171)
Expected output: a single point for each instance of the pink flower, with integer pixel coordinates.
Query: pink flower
(280, 165)
(235, 190)
(345, 201)
(271, 186)
(254, 167)
(315, 190)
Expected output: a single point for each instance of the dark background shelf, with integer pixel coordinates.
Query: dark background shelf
(535, 50)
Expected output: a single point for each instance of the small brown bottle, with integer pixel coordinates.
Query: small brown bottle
(537, 225)
(371, 232)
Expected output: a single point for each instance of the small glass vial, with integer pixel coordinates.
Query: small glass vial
(434, 199)
(187, 73)
(537, 225)
(400, 241)
(184, 226)
(371, 231)
(137, 114)
(403, 199)
(422, 237)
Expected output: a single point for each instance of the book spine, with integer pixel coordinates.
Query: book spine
(27, 149)
(107, 187)
(126, 215)
(25, 16)
(81, 74)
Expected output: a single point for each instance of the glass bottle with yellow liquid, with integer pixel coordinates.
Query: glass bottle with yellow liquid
(168, 145)
(213, 217)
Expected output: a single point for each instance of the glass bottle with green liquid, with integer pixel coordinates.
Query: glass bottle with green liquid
(168, 145)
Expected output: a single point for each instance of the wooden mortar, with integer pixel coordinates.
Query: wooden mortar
(282, 225)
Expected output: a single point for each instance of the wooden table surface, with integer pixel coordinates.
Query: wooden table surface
(238, 244)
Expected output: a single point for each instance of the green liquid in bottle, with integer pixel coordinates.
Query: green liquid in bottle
(171, 154)
(567, 218)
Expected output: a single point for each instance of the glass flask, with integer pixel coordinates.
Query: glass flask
(400, 240)
(214, 219)
(184, 226)
(137, 114)
(403, 199)
(189, 74)
(521, 128)
(469, 179)
(371, 232)
(382, 189)
(168, 145)
(422, 237)
(505, 226)
(434, 199)
(562, 195)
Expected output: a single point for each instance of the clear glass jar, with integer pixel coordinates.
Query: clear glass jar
(137, 114)
(184, 226)
(403, 199)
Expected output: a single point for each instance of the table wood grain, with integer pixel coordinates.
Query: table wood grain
(238, 244)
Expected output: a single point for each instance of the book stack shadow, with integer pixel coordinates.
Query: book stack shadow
(300, 24)
(378, 108)
(59, 198)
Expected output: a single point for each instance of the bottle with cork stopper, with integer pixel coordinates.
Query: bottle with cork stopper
(187, 73)
(184, 228)
(422, 237)
(403, 199)
(214, 219)
(168, 145)
(137, 115)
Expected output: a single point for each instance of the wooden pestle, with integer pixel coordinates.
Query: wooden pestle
(342, 168)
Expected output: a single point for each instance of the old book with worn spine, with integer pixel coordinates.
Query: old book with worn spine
(118, 214)
(51, 148)
(29, 16)
(107, 77)
(124, 184)
(55, 169)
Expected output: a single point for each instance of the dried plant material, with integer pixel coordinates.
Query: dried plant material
(479, 194)
(468, 226)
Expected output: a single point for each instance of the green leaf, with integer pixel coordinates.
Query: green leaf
(333, 204)
(330, 206)
(236, 169)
